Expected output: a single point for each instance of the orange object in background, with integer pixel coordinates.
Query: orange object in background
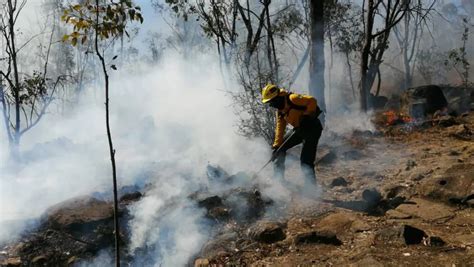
(393, 118)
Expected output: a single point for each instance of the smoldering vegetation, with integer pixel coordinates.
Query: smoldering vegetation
(189, 130)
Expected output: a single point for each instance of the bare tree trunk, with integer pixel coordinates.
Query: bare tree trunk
(272, 58)
(11, 28)
(111, 146)
(6, 117)
(379, 83)
(349, 69)
(316, 58)
(364, 83)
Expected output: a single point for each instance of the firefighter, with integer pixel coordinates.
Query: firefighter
(300, 111)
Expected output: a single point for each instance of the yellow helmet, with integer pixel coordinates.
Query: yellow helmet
(269, 92)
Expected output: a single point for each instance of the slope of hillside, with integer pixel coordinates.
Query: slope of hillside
(402, 195)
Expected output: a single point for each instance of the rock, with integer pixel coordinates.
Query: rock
(341, 223)
(433, 241)
(316, 237)
(340, 181)
(201, 263)
(130, 197)
(78, 211)
(267, 232)
(456, 183)
(400, 235)
(412, 235)
(10, 262)
(426, 210)
(423, 100)
(372, 196)
(328, 158)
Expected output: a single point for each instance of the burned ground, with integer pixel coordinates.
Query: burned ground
(404, 199)
(400, 196)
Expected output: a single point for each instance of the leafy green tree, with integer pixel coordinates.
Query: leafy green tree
(106, 20)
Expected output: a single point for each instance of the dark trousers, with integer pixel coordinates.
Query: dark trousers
(309, 136)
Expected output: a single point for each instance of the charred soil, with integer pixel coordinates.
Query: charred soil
(402, 196)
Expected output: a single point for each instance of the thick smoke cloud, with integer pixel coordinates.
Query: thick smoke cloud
(174, 116)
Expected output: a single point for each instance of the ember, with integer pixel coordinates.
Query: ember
(392, 118)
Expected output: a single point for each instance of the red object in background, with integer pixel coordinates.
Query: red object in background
(393, 118)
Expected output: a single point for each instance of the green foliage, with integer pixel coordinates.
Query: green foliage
(182, 8)
(107, 20)
(288, 21)
(344, 26)
(32, 88)
(458, 57)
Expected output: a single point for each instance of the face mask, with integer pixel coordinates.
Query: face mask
(278, 102)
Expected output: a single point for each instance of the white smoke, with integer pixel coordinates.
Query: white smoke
(167, 123)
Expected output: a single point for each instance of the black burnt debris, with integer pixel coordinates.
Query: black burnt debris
(78, 229)
(404, 198)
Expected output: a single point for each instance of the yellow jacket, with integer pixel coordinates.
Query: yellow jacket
(292, 113)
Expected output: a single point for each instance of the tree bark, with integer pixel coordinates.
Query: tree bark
(316, 57)
(364, 83)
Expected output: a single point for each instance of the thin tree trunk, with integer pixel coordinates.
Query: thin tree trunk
(6, 117)
(364, 83)
(111, 147)
(271, 44)
(16, 89)
(406, 59)
(316, 59)
(349, 69)
(379, 83)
